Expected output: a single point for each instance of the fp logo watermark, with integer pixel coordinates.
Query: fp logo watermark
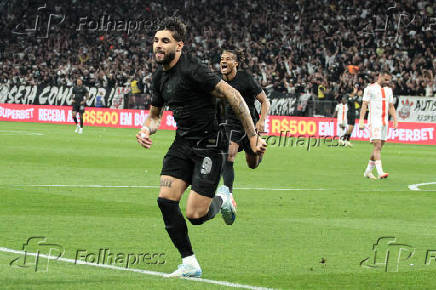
(37, 254)
(388, 254)
(43, 24)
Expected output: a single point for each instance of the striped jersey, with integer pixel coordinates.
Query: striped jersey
(378, 99)
(342, 113)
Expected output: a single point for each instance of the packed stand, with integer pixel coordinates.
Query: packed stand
(321, 49)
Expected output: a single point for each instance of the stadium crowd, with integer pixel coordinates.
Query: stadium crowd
(324, 48)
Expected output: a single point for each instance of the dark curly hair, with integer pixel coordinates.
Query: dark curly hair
(238, 53)
(176, 26)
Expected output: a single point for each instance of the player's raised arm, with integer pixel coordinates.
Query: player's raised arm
(264, 109)
(224, 90)
(151, 124)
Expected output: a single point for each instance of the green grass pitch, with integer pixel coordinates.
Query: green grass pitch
(312, 237)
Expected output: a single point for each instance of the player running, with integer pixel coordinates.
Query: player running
(80, 96)
(250, 91)
(195, 158)
(341, 113)
(378, 97)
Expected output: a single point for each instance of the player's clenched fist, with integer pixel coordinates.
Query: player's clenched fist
(143, 138)
(257, 144)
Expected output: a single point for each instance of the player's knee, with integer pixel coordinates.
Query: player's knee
(193, 214)
(169, 193)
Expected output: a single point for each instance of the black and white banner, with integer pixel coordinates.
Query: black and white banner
(58, 96)
(417, 109)
(281, 104)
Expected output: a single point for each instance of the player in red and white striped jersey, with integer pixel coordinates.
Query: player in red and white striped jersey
(378, 98)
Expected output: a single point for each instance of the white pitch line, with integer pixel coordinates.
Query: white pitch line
(156, 186)
(146, 272)
(19, 133)
(411, 187)
(416, 186)
(89, 185)
(278, 189)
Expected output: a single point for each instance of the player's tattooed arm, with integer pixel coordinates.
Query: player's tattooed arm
(224, 90)
(264, 109)
(152, 122)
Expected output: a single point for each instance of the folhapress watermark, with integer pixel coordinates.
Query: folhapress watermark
(38, 252)
(391, 256)
(285, 139)
(46, 22)
(123, 259)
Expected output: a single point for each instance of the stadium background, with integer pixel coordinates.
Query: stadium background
(305, 54)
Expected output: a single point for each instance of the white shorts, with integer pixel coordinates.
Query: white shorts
(378, 132)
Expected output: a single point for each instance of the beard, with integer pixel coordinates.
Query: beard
(385, 83)
(168, 57)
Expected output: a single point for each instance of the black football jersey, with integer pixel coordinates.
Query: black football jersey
(249, 89)
(79, 93)
(186, 89)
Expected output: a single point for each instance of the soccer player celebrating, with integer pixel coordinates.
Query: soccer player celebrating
(341, 113)
(80, 95)
(250, 91)
(378, 97)
(195, 158)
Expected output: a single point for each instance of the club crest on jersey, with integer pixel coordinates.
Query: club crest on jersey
(404, 112)
(206, 166)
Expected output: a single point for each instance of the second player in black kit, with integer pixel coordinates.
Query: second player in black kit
(250, 91)
(196, 156)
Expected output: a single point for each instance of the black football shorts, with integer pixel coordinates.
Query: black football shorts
(77, 107)
(196, 165)
(237, 135)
